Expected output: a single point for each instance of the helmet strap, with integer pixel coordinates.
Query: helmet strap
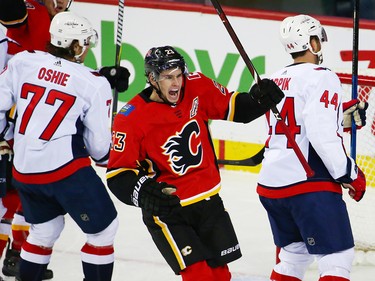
(160, 94)
(78, 57)
(319, 53)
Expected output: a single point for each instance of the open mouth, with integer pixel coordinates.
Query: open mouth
(173, 93)
(59, 9)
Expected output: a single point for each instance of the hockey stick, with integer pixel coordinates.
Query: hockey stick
(120, 21)
(353, 136)
(251, 161)
(254, 73)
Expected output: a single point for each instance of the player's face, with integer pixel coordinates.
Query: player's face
(170, 83)
(55, 6)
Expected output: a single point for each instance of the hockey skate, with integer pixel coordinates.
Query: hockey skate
(12, 262)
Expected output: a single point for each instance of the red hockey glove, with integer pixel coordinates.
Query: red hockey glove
(267, 94)
(357, 188)
(356, 109)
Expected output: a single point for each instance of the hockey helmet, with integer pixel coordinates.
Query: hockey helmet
(162, 58)
(295, 33)
(68, 26)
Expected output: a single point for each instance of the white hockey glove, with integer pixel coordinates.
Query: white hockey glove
(356, 109)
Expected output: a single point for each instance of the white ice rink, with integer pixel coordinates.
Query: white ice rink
(137, 259)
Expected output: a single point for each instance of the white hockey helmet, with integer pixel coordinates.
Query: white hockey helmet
(295, 33)
(68, 26)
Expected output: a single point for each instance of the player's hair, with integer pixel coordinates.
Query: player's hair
(158, 59)
(65, 53)
(302, 53)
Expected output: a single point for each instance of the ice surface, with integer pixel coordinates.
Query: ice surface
(137, 259)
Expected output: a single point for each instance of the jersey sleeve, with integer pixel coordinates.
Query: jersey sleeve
(126, 157)
(97, 135)
(7, 95)
(323, 116)
(214, 97)
(127, 140)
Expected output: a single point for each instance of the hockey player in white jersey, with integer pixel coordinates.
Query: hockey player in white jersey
(63, 119)
(3, 49)
(308, 216)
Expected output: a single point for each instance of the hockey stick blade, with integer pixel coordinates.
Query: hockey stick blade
(251, 161)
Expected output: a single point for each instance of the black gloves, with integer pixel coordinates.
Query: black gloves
(118, 77)
(266, 93)
(155, 197)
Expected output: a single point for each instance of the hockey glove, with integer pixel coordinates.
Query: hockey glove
(118, 77)
(5, 160)
(266, 93)
(357, 188)
(155, 197)
(5, 150)
(356, 109)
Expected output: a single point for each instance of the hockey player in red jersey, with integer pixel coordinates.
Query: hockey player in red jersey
(162, 160)
(308, 216)
(59, 127)
(27, 23)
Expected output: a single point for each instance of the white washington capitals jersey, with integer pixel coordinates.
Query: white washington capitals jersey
(312, 111)
(63, 115)
(3, 50)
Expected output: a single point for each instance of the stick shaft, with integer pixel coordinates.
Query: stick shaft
(251, 161)
(254, 73)
(353, 136)
(120, 22)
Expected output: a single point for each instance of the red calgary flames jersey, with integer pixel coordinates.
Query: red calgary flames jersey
(34, 34)
(174, 140)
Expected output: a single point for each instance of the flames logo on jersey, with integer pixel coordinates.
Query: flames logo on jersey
(184, 149)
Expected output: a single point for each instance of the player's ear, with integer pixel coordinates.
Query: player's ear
(315, 44)
(151, 78)
(77, 48)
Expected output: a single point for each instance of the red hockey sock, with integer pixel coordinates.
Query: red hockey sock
(221, 273)
(20, 229)
(332, 278)
(280, 277)
(199, 271)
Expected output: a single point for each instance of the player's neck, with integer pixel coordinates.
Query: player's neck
(307, 58)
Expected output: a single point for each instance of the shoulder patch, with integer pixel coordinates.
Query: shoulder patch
(322, 68)
(193, 75)
(95, 73)
(126, 109)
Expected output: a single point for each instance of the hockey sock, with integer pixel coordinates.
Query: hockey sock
(20, 231)
(280, 277)
(97, 272)
(332, 278)
(199, 271)
(97, 262)
(4, 235)
(221, 273)
(30, 271)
